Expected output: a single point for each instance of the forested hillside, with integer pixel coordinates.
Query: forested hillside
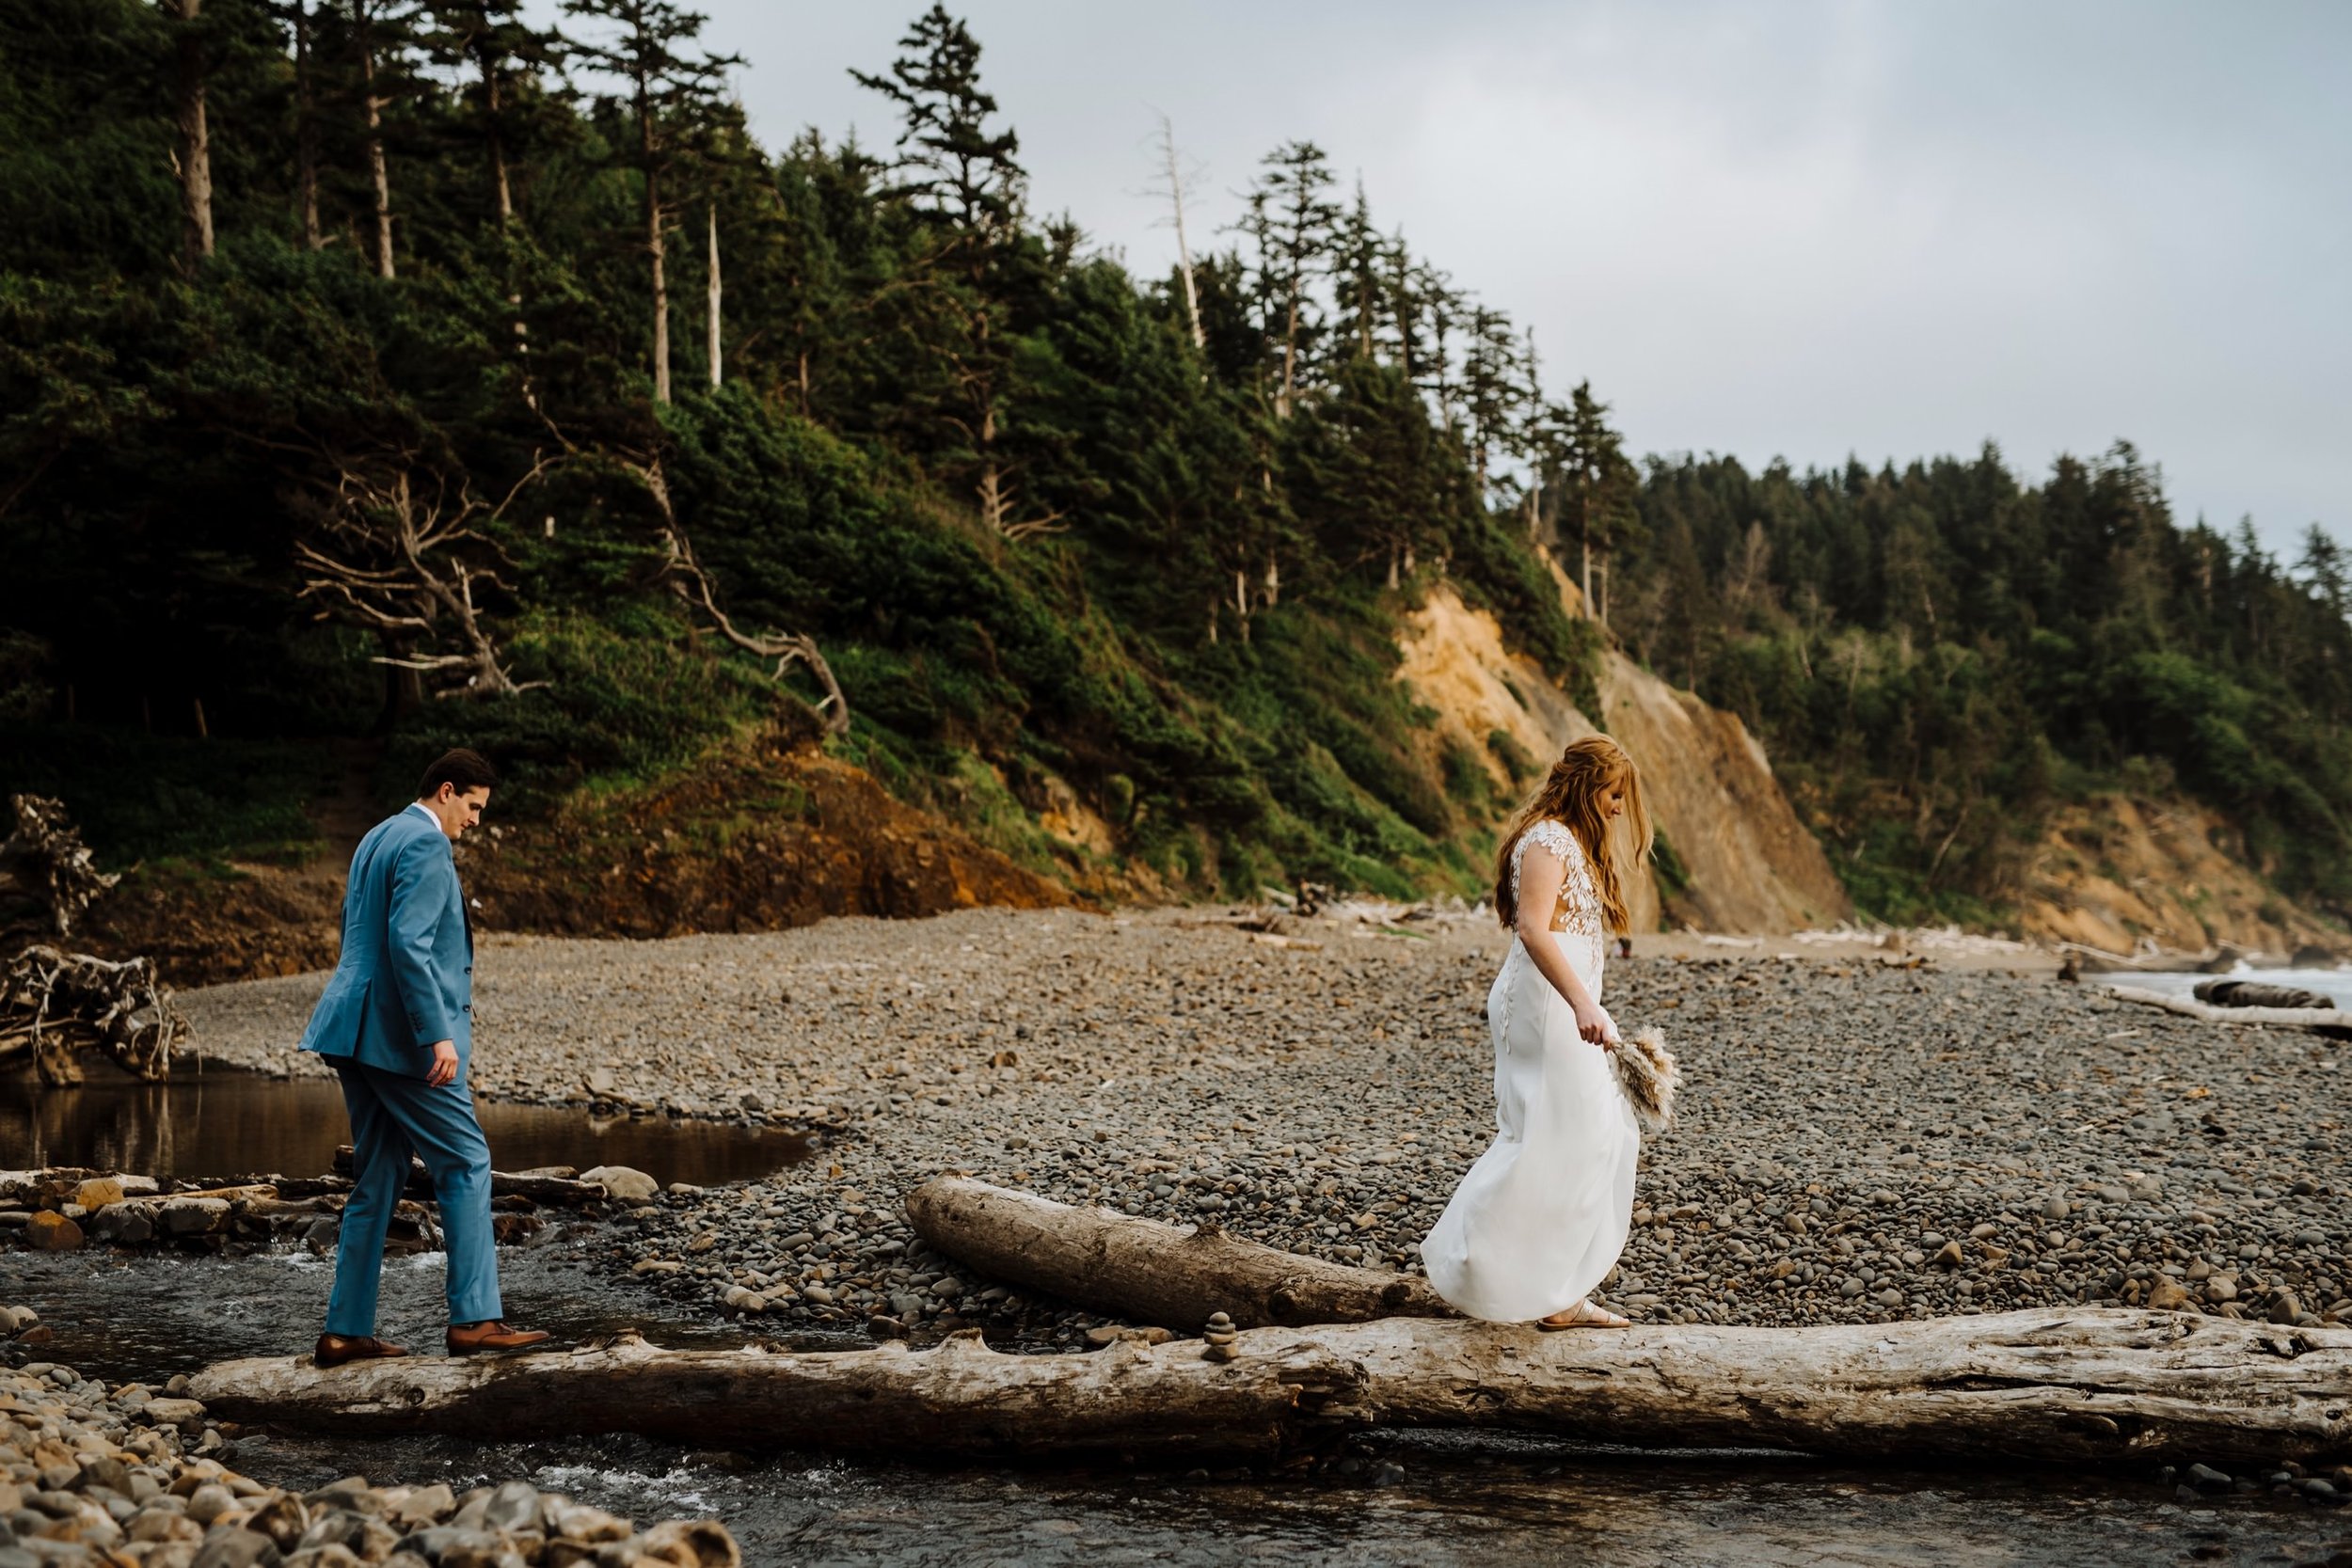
(394, 370)
(1938, 658)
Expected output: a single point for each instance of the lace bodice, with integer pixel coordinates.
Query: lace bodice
(1579, 913)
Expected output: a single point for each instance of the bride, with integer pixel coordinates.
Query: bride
(1542, 1216)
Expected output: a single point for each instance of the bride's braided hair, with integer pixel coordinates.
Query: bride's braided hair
(1570, 794)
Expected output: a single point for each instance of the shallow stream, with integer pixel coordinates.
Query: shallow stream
(1426, 1498)
(223, 1121)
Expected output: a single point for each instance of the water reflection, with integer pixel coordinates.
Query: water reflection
(218, 1121)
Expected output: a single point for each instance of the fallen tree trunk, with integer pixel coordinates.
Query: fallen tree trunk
(1173, 1276)
(2326, 1020)
(2227, 993)
(2093, 1384)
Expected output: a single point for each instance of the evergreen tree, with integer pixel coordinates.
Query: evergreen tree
(1290, 222)
(669, 88)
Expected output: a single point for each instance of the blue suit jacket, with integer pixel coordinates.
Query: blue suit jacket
(405, 978)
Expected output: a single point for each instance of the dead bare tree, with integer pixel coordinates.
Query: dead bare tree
(688, 580)
(397, 549)
(1176, 185)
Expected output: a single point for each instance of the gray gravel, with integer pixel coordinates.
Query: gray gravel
(1858, 1142)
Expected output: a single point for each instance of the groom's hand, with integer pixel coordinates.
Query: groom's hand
(444, 1064)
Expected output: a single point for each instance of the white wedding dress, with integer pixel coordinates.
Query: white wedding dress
(1541, 1217)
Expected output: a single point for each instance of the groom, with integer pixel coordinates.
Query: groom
(397, 1022)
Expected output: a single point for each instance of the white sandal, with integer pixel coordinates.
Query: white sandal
(1584, 1315)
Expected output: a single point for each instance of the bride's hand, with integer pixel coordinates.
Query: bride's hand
(1596, 1025)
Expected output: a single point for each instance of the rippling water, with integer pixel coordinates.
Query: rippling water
(1404, 1499)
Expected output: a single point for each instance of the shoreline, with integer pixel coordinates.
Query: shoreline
(1861, 1139)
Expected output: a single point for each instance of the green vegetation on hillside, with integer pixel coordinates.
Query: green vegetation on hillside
(389, 407)
(1937, 657)
(443, 453)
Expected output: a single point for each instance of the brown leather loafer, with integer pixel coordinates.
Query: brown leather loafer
(473, 1338)
(333, 1350)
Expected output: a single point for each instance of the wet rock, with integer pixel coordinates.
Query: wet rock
(124, 1224)
(283, 1519)
(331, 1555)
(98, 1192)
(512, 1506)
(628, 1185)
(193, 1216)
(233, 1547)
(50, 1231)
(186, 1415)
(421, 1506)
(696, 1544)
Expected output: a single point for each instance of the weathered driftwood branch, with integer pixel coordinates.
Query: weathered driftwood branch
(43, 863)
(55, 1005)
(692, 585)
(539, 1189)
(396, 549)
(1170, 1276)
(2332, 1021)
(2089, 1385)
(2229, 992)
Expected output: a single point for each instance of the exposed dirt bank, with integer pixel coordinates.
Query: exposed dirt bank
(2115, 871)
(765, 838)
(1751, 866)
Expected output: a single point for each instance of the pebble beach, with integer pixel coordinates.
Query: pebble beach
(1861, 1137)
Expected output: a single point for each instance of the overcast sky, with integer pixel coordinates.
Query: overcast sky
(1790, 227)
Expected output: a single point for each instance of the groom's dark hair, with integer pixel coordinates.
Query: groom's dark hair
(466, 770)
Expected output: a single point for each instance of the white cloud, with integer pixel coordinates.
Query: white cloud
(1806, 228)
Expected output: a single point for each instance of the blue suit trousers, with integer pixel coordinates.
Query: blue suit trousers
(390, 1114)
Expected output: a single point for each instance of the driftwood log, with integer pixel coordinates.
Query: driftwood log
(2257, 993)
(1151, 1273)
(2325, 1021)
(55, 1006)
(539, 1189)
(2088, 1384)
(45, 867)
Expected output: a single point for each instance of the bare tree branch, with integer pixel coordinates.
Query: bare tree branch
(397, 549)
(688, 580)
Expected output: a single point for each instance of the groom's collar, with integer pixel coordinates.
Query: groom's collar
(419, 807)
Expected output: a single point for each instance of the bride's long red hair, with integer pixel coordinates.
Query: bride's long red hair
(1570, 794)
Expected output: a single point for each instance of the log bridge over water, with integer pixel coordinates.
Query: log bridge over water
(2075, 1383)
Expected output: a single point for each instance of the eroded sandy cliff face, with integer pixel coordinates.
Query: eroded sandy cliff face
(1752, 866)
(2115, 872)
